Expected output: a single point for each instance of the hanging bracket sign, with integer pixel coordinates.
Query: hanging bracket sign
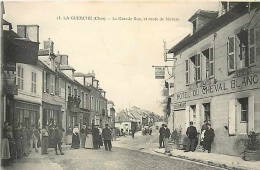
(159, 72)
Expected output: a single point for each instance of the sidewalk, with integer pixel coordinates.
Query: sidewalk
(213, 159)
(34, 161)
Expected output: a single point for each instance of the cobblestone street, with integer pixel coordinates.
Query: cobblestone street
(119, 158)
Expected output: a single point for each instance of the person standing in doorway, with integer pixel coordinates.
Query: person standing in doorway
(107, 136)
(208, 138)
(203, 130)
(133, 129)
(167, 135)
(45, 139)
(161, 136)
(192, 137)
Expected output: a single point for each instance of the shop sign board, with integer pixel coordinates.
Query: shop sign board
(159, 72)
(235, 84)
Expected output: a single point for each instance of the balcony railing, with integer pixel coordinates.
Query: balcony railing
(73, 102)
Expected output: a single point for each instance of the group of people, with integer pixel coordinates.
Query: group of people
(90, 138)
(164, 138)
(206, 139)
(18, 142)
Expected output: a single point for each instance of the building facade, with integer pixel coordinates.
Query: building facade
(217, 75)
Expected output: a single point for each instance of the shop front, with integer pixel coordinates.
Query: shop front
(26, 113)
(52, 114)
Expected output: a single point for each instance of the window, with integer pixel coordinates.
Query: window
(86, 102)
(209, 57)
(20, 77)
(244, 109)
(33, 87)
(242, 48)
(44, 81)
(187, 72)
(52, 84)
(82, 99)
(206, 111)
(57, 86)
(231, 54)
(69, 90)
(196, 60)
(92, 103)
(194, 25)
(97, 105)
(251, 42)
(211, 63)
(75, 92)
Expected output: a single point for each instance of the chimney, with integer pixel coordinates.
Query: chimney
(48, 45)
(29, 31)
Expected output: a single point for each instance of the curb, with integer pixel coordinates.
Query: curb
(210, 163)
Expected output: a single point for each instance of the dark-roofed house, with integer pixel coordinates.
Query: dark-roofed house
(217, 75)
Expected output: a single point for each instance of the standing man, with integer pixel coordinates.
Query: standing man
(192, 137)
(95, 133)
(161, 136)
(45, 139)
(35, 137)
(167, 135)
(133, 129)
(57, 139)
(83, 134)
(208, 138)
(107, 136)
(203, 130)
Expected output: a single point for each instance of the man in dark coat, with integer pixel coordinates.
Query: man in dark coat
(57, 139)
(161, 136)
(95, 133)
(208, 138)
(107, 136)
(192, 138)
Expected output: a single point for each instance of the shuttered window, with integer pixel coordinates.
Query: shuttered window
(252, 50)
(211, 63)
(231, 54)
(187, 72)
(198, 67)
(232, 117)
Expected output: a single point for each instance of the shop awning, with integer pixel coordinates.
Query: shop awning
(19, 50)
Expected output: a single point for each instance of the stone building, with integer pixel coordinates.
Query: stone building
(216, 74)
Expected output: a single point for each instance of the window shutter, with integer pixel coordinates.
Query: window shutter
(251, 113)
(231, 54)
(187, 115)
(251, 44)
(187, 72)
(232, 117)
(211, 62)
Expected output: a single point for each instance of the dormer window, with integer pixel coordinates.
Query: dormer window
(194, 24)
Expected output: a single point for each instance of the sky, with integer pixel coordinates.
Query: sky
(121, 52)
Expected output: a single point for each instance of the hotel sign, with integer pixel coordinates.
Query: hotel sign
(159, 72)
(236, 84)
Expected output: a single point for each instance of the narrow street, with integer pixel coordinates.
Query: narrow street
(127, 153)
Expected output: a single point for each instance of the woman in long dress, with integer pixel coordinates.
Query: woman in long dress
(69, 136)
(89, 139)
(5, 149)
(75, 138)
(83, 133)
(25, 143)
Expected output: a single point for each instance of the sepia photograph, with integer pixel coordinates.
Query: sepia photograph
(130, 85)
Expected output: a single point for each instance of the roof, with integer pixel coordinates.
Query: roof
(4, 22)
(66, 67)
(204, 13)
(45, 52)
(211, 27)
(19, 50)
(122, 117)
(79, 74)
